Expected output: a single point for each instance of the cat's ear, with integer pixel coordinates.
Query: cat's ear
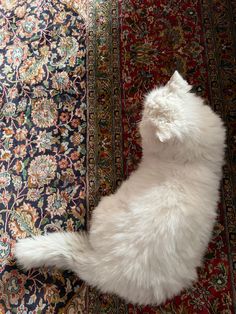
(167, 131)
(177, 83)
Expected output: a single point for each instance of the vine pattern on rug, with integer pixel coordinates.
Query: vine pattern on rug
(42, 146)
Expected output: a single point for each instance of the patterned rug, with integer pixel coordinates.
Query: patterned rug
(72, 78)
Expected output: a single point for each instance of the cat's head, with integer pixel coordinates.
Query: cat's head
(177, 124)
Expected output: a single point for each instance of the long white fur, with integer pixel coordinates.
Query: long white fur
(148, 238)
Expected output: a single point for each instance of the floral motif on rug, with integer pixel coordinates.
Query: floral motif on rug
(42, 145)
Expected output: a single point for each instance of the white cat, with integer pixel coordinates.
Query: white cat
(148, 238)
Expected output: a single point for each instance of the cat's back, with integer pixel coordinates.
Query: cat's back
(164, 184)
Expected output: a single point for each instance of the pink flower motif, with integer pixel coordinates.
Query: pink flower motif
(16, 53)
(12, 288)
(28, 26)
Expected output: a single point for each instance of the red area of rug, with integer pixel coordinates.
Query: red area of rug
(157, 38)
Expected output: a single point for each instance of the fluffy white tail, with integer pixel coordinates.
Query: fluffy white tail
(67, 251)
